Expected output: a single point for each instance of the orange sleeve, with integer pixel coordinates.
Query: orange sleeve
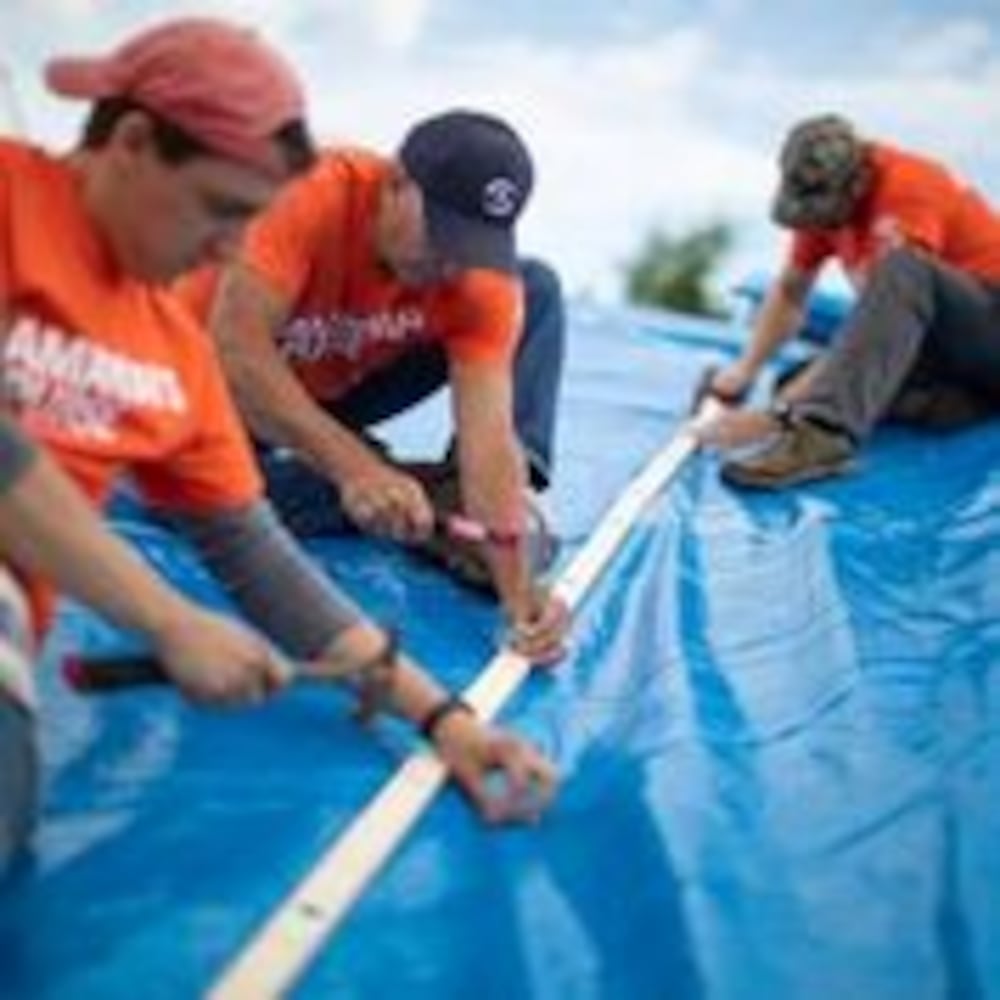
(6, 276)
(808, 251)
(283, 244)
(214, 467)
(483, 316)
(196, 290)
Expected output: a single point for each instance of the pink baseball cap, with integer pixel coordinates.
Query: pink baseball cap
(220, 83)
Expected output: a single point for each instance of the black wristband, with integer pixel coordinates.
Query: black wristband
(447, 706)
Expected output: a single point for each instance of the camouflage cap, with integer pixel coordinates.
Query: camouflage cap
(822, 164)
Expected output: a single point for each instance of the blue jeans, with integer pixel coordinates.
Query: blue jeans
(310, 505)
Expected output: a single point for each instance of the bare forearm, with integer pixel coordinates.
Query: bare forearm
(272, 400)
(494, 484)
(413, 693)
(493, 474)
(280, 412)
(48, 527)
(780, 317)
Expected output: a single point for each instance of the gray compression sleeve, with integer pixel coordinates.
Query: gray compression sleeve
(270, 578)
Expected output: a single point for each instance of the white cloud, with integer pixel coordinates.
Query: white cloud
(339, 26)
(59, 10)
(615, 132)
(671, 128)
(398, 24)
(951, 111)
(951, 48)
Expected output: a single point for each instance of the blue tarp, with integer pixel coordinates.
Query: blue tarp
(826, 308)
(778, 732)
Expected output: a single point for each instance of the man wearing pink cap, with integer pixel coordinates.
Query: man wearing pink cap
(195, 125)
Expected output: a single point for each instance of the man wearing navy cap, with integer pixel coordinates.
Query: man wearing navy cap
(371, 283)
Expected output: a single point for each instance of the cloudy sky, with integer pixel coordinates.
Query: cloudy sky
(640, 112)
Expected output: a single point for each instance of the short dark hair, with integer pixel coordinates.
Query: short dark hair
(174, 145)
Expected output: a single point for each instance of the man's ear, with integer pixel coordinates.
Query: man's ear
(132, 134)
(397, 173)
(398, 179)
(865, 179)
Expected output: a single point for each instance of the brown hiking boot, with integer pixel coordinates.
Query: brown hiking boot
(803, 451)
(467, 561)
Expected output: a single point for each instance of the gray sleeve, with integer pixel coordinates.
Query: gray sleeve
(270, 578)
(17, 453)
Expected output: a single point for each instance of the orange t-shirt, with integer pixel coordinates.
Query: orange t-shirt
(349, 316)
(914, 202)
(109, 373)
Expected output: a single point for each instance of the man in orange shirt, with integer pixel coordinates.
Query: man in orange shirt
(370, 283)
(194, 126)
(48, 527)
(922, 343)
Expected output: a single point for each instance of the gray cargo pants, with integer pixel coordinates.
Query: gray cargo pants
(922, 344)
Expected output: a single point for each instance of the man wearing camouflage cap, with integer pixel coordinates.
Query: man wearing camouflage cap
(922, 342)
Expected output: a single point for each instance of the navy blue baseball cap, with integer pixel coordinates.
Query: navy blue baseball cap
(475, 175)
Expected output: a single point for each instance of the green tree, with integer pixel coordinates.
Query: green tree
(675, 272)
